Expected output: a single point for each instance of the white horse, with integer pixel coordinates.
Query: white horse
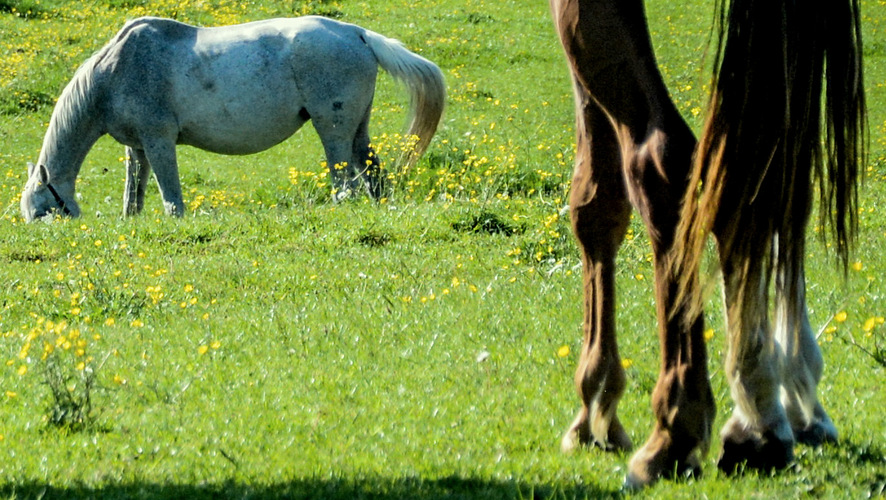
(231, 90)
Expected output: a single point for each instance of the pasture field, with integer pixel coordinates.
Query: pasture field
(272, 344)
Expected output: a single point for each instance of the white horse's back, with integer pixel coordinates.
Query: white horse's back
(245, 88)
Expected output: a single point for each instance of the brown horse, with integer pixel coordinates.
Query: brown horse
(766, 141)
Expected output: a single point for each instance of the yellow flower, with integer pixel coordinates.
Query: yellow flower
(841, 316)
(189, 288)
(202, 349)
(215, 344)
(22, 369)
(708, 334)
(11, 394)
(857, 265)
(870, 324)
(563, 351)
(627, 363)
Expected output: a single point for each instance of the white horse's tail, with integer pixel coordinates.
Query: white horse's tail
(424, 81)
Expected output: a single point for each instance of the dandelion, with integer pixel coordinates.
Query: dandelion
(841, 316)
(23, 369)
(857, 266)
(563, 351)
(202, 349)
(627, 363)
(708, 334)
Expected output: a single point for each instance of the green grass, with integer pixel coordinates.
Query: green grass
(272, 344)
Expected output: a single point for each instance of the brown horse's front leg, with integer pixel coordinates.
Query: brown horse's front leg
(600, 214)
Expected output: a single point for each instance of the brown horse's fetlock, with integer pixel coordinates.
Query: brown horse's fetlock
(611, 435)
(663, 457)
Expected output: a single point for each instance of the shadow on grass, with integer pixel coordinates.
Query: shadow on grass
(325, 488)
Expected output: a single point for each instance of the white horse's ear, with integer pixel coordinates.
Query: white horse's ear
(30, 169)
(42, 174)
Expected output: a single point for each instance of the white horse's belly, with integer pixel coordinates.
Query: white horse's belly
(236, 128)
(239, 101)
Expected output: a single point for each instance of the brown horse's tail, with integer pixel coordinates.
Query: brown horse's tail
(766, 138)
(427, 90)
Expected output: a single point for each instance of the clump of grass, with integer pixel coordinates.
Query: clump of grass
(374, 239)
(72, 392)
(485, 222)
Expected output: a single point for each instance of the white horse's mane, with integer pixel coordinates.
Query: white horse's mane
(75, 98)
(79, 94)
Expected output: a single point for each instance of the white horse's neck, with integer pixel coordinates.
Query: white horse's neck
(73, 130)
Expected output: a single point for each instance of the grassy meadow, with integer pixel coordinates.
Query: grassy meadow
(273, 344)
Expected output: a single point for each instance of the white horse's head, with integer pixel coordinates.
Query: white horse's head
(41, 198)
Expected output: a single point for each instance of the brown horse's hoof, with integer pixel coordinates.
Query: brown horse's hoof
(579, 435)
(766, 453)
(663, 458)
(683, 470)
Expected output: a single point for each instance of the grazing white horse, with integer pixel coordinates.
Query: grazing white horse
(231, 90)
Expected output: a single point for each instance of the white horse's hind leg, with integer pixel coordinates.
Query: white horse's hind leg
(366, 160)
(803, 365)
(758, 433)
(137, 172)
(161, 156)
(338, 142)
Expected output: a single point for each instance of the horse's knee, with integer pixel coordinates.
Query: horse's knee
(601, 222)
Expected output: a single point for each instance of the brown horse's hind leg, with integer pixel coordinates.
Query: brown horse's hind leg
(803, 364)
(682, 400)
(773, 372)
(758, 435)
(600, 214)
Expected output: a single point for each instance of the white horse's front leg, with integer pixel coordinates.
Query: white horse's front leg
(803, 363)
(161, 156)
(137, 172)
